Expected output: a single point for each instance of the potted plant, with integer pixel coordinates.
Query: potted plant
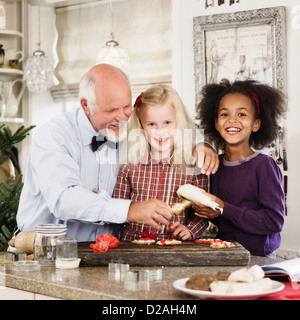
(10, 187)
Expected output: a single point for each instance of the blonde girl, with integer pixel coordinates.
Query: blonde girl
(158, 162)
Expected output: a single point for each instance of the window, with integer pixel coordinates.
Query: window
(142, 27)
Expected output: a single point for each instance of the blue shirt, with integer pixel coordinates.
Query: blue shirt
(61, 172)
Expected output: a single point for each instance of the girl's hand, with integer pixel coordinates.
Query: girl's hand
(179, 231)
(206, 158)
(207, 212)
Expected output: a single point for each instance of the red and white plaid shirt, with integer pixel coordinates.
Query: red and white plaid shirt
(140, 182)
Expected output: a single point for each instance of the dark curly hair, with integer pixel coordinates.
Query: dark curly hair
(272, 107)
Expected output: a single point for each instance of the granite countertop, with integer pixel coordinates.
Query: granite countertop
(96, 283)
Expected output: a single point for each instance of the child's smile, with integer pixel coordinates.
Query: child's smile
(159, 124)
(233, 130)
(236, 119)
(161, 141)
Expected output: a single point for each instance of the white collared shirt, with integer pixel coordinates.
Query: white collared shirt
(61, 173)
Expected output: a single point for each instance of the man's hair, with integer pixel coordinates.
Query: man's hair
(87, 90)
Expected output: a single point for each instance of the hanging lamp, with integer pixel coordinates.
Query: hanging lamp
(112, 53)
(38, 71)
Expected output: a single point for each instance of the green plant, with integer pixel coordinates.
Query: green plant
(5, 236)
(10, 190)
(9, 201)
(8, 139)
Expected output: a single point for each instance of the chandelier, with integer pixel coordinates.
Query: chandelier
(112, 53)
(38, 71)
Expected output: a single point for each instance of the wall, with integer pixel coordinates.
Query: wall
(43, 106)
(183, 79)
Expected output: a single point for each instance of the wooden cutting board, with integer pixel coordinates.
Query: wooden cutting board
(186, 254)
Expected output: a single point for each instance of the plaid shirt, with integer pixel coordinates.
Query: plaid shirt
(157, 181)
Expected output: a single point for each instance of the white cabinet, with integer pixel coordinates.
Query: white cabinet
(15, 294)
(12, 39)
(7, 293)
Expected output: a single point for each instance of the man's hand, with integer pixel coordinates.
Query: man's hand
(151, 212)
(206, 158)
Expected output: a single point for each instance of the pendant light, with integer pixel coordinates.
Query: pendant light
(38, 71)
(112, 53)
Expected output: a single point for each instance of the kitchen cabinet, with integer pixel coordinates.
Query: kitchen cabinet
(13, 40)
(16, 294)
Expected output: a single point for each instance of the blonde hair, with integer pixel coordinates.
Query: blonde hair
(138, 151)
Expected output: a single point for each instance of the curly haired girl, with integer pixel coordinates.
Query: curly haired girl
(239, 117)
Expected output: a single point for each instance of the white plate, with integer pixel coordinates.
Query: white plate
(180, 285)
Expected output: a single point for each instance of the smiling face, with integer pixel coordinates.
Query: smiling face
(111, 113)
(112, 107)
(236, 120)
(159, 123)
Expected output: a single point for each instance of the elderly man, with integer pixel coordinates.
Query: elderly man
(65, 166)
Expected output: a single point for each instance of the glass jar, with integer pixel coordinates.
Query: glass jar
(45, 242)
(66, 253)
(66, 249)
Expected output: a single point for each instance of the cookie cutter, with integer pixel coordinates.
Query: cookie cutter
(136, 280)
(117, 270)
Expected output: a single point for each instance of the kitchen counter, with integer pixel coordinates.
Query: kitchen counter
(96, 283)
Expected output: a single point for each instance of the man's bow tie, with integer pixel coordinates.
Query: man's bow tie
(98, 141)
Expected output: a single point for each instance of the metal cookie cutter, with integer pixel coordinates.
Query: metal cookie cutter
(117, 270)
(136, 280)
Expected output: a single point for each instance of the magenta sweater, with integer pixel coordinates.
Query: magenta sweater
(254, 202)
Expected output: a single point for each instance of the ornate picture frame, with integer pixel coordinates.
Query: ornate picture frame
(240, 45)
